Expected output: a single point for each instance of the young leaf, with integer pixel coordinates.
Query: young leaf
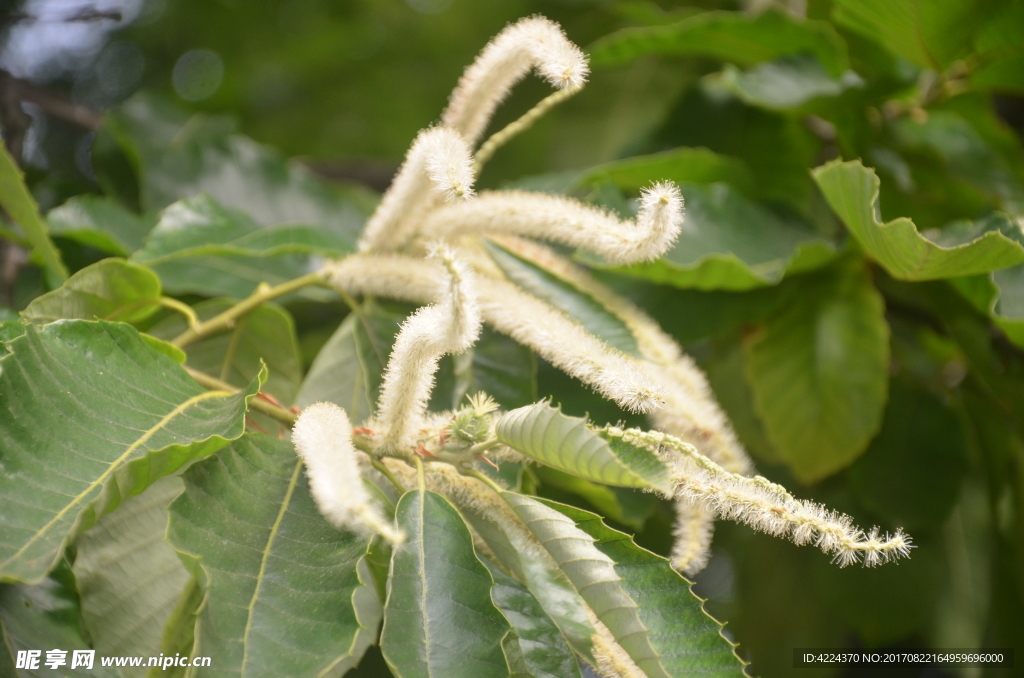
(112, 289)
(687, 639)
(732, 243)
(583, 308)
(265, 336)
(286, 593)
(349, 368)
(593, 575)
(129, 578)
(741, 38)
(819, 372)
(568, 444)
(102, 223)
(542, 647)
(44, 617)
(439, 619)
(852, 191)
(89, 415)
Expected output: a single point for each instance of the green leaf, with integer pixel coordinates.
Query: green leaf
(593, 575)
(788, 82)
(1001, 51)
(44, 617)
(688, 640)
(731, 243)
(129, 578)
(741, 38)
(569, 444)
(514, 657)
(561, 294)
(681, 165)
(266, 336)
(179, 633)
(349, 368)
(112, 289)
(100, 222)
(286, 593)
(819, 372)
(599, 496)
(439, 619)
(16, 200)
(912, 472)
(931, 33)
(542, 647)
(198, 246)
(852, 191)
(90, 415)
(180, 156)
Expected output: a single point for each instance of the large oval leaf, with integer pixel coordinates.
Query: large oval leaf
(112, 289)
(819, 371)
(544, 433)
(439, 619)
(286, 593)
(90, 414)
(688, 640)
(852, 191)
(594, 576)
(129, 578)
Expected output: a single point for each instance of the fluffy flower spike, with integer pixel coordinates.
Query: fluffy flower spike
(450, 326)
(437, 168)
(569, 222)
(533, 42)
(323, 438)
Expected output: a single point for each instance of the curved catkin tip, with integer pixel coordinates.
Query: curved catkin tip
(438, 167)
(661, 217)
(323, 439)
(693, 532)
(532, 42)
(449, 163)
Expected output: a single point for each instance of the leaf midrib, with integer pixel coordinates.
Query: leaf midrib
(260, 577)
(114, 465)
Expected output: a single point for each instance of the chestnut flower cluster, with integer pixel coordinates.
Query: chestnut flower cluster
(423, 245)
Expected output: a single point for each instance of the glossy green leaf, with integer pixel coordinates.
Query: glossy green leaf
(561, 294)
(102, 223)
(819, 372)
(112, 289)
(593, 575)
(741, 38)
(852, 191)
(18, 202)
(349, 368)
(91, 415)
(129, 578)
(788, 82)
(178, 156)
(681, 165)
(514, 657)
(687, 639)
(439, 619)
(286, 593)
(731, 243)
(266, 336)
(931, 33)
(569, 444)
(202, 247)
(542, 647)
(44, 617)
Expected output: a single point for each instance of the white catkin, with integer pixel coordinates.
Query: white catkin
(693, 531)
(568, 222)
(554, 336)
(437, 168)
(323, 439)
(534, 42)
(450, 326)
